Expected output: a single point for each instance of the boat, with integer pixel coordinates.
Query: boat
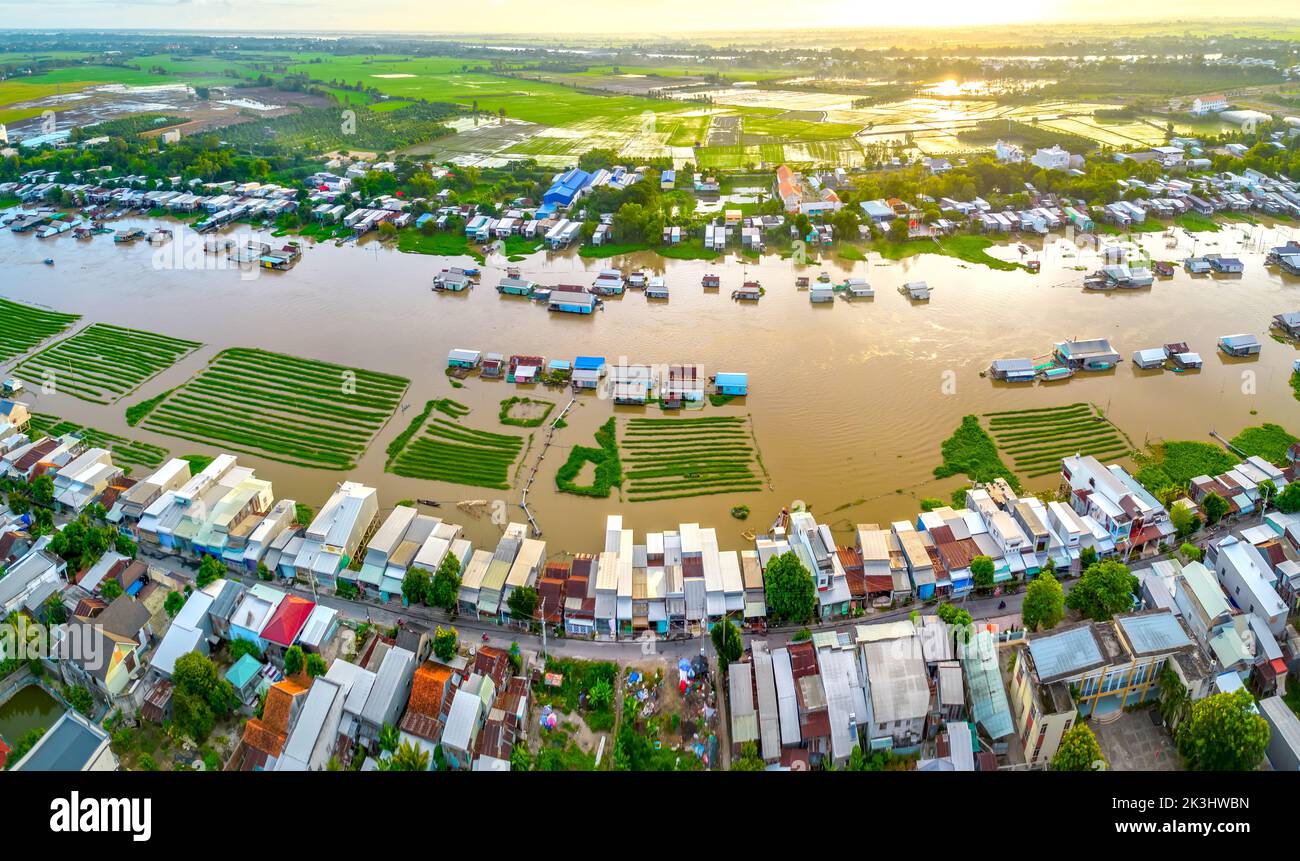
(128, 235)
(513, 272)
(858, 288)
(1098, 281)
(824, 277)
(1033, 265)
(1163, 269)
(801, 282)
(49, 261)
(636, 279)
(429, 502)
(917, 291)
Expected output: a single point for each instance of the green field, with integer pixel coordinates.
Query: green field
(1035, 440)
(674, 458)
(101, 363)
(1268, 441)
(451, 452)
(607, 471)
(524, 412)
(23, 327)
(1169, 466)
(125, 452)
(285, 408)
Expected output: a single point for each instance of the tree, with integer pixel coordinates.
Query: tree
(445, 591)
(239, 647)
(1288, 501)
(522, 603)
(953, 615)
(1267, 493)
(444, 643)
(316, 666)
(727, 642)
(407, 757)
(1088, 557)
(111, 590)
(520, 758)
(1190, 553)
(78, 696)
(42, 490)
(175, 601)
(749, 760)
(1106, 588)
(415, 586)
(210, 570)
(1215, 507)
(791, 592)
(1044, 604)
(294, 660)
(199, 695)
(1185, 520)
(601, 695)
(1223, 733)
(981, 572)
(1078, 750)
(389, 738)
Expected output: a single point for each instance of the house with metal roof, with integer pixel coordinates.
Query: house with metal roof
(469, 711)
(245, 675)
(336, 533)
(73, 743)
(1284, 734)
(1089, 354)
(313, 737)
(387, 697)
(897, 691)
(740, 704)
(1248, 578)
(1240, 345)
(566, 188)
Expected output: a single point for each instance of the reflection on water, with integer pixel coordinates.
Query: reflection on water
(849, 401)
(30, 708)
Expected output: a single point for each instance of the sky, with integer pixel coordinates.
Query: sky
(589, 16)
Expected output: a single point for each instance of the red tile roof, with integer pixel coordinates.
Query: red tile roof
(287, 621)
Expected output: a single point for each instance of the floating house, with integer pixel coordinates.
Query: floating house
(1288, 323)
(1197, 266)
(918, 291)
(515, 286)
(1290, 263)
(750, 291)
(631, 384)
(1092, 354)
(523, 370)
(656, 289)
(1150, 359)
(711, 282)
(1225, 265)
(571, 302)
(587, 371)
(461, 358)
(493, 365)
(1182, 356)
(730, 383)
(1240, 345)
(858, 288)
(821, 293)
(636, 279)
(1013, 370)
(609, 283)
(684, 384)
(451, 281)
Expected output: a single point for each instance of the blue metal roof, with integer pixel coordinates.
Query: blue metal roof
(243, 670)
(988, 697)
(1065, 653)
(588, 363)
(66, 746)
(1155, 632)
(731, 379)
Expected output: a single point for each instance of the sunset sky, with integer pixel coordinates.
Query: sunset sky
(588, 17)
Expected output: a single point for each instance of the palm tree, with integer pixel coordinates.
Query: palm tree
(408, 757)
(388, 738)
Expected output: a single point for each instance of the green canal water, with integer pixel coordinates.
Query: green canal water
(30, 708)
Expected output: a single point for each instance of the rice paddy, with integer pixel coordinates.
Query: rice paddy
(677, 458)
(524, 412)
(608, 469)
(23, 327)
(446, 451)
(284, 408)
(125, 452)
(101, 363)
(1035, 440)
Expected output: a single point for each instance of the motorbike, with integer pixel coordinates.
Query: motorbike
(1002, 605)
(485, 638)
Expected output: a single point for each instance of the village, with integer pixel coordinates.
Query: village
(206, 567)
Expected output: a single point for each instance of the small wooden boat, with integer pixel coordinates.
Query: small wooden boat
(429, 502)
(49, 261)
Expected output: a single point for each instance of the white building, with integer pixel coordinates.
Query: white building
(1051, 159)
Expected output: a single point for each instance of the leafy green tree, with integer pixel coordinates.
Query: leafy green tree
(749, 760)
(522, 603)
(520, 758)
(175, 601)
(1078, 750)
(1106, 588)
(23, 746)
(727, 642)
(1088, 557)
(791, 591)
(389, 738)
(1044, 604)
(110, 590)
(78, 696)
(316, 666)
(407, 757)
(41, 489)
(601, 695)
(1215, 507)
(239, 647)
(954, 615)
(981, 572)
(263, 573)
(1267, 494)
(1185, 520)
(1190, 552)
(445, 591)
(210, 571)
(415, 586)
(294, 660)
(199, 695)
(444, 643)
(1288, 501)
(1223, 733)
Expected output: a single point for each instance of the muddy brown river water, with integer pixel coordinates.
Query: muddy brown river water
(849, 401)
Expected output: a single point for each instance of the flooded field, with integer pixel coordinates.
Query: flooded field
(848, 402)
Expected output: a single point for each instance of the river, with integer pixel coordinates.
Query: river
(849, 401)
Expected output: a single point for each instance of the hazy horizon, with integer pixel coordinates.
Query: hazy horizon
(588, 19)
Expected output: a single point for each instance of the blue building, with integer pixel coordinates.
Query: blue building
(566, 188)
(731, 384)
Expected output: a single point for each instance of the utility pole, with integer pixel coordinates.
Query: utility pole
(542, 618)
